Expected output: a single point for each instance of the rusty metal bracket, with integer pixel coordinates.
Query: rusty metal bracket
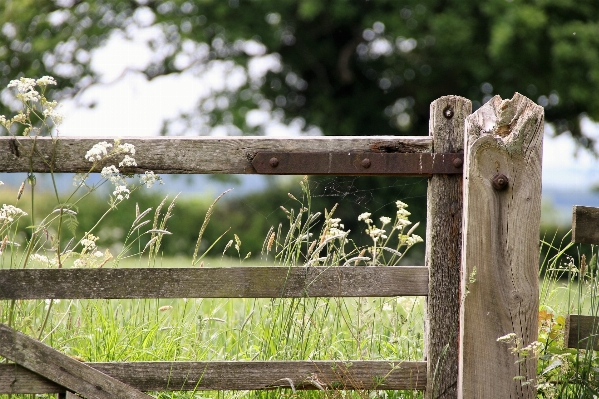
(358, 163)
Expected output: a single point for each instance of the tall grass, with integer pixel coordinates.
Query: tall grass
(234, 329)
(569, 286)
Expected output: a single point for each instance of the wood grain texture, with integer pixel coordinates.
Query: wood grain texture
(581, 332)
(500, 291)
(234, 282)
(443, 250)
(230, 375)
(62, 369)
(585, 224)
(181, 155)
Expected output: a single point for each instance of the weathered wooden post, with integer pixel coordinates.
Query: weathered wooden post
(502, 209)
(443, 249)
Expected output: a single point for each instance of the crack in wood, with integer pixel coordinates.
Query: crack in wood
(13, 145)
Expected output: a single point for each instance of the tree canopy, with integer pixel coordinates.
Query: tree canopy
(348, 67)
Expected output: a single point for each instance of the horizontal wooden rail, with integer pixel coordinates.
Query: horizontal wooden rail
(581, 332)
(234, 282)
(236, 375)
(188, 155)
(585, 222)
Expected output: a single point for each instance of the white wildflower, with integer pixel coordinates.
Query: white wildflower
(30, 95)
(23, 84)
(400, 204)
(121, 193)
(401, 223)
(507, 338)
(127, 161)
(79, 179)
(402, 213)
(9, 213)
(79, 263)
(364, 216)
(98, 254)
(19, 118)
(89, 242)
(335, 232)
(377, 233)
(385, 220)
(334, 222)
(126, 148)
(532, 349)
(46, 80)
(108, 172)
(98, 151)
(149, 178)
(413, 239)
(40, 258)
(55, 116)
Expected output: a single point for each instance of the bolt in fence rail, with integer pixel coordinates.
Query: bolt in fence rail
(475, 227)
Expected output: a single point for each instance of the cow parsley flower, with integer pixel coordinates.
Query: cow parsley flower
(98, 151)
(45, 81)
(126, 148)
(127, 161)
(149, 178)
(89, 242)
(56, 117)
(23, 84)
(121, 193)
(385, 220)
(365, 217)
(9, 213)
(20, 118)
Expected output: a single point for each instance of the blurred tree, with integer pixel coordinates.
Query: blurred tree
(347, 67)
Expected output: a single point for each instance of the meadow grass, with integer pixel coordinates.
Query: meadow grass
(229, 329)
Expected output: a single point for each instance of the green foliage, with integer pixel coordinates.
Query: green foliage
(344, 64)
(569, 287)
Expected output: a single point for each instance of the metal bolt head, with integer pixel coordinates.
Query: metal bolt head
(274, 162)
(448, 113)
(500, 182)
(366, 163)
(458, 162)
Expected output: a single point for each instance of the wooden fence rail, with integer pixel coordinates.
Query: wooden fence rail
(234, 282)
(479, 278)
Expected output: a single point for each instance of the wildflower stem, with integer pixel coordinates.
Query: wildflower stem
(58, 238)
(46, 317)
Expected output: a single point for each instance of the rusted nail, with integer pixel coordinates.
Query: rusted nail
(274, 162)
(500, 182)
(366, 163)
(458, 162)
(448, 113)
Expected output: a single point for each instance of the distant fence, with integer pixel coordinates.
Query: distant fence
(480, 273)
(582, 332)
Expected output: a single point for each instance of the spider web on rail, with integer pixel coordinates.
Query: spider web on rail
(358, 191)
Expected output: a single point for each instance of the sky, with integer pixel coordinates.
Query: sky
(125, 103)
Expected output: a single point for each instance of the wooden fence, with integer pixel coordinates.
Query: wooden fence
(582, 332)
(480, 273)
